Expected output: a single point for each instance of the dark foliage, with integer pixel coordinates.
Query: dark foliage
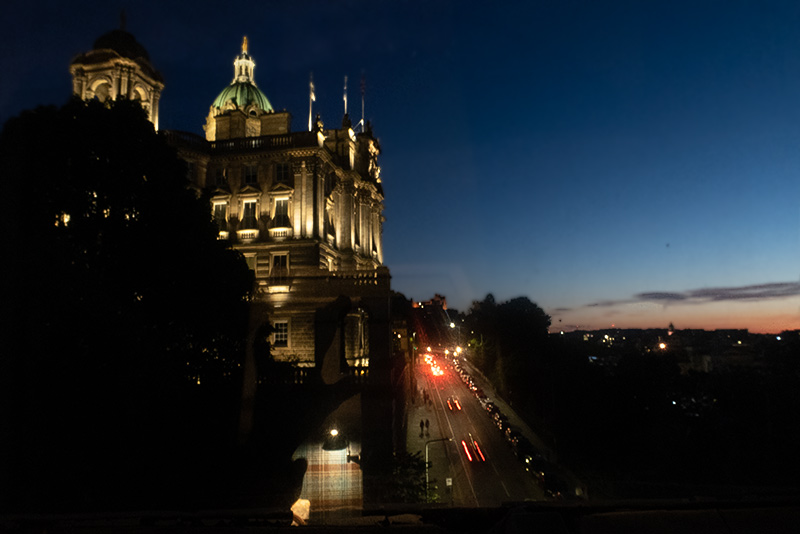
(407, 483)
(509, 341)
(625, 416)
(120, 368)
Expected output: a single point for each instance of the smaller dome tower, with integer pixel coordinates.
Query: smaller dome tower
(242, 109)
(118, 66)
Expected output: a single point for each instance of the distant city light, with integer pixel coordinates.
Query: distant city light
(662, 346)
(334, 432)
(452, 325)
(778, 338)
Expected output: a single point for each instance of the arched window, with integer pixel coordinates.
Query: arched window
(102, 92)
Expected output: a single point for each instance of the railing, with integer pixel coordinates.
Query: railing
(292, 375)
(292, 140)
(361, 277)
(247, 234)
(190, 140)
(185, 139)
(360, 374)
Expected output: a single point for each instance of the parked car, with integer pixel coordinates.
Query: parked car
(556, 487)
(534, 461)
(501, 421)
(512, 434)
(502, 424)
(522, 447)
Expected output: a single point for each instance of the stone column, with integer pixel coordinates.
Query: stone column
(296, 209)
(346, 217)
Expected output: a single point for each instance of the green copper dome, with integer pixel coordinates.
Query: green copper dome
(242, 94)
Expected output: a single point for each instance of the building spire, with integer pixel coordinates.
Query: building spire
(244, 66)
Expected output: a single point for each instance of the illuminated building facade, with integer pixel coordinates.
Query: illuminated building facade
(305, 209)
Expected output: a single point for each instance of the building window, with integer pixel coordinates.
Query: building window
(279, 267)
(221, 215)
(280, 217)
(356, 224)
(220, 178)
(249, 221)
(282, 174)
(102, 92)
(250, 175)
(280, 334)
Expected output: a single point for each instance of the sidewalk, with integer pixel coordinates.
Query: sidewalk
(416, 440)
(419, 411)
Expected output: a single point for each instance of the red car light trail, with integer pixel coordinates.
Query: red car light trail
(479, 451)
(466, 450)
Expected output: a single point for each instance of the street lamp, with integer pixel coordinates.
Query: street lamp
(426, 461)
(335, 440)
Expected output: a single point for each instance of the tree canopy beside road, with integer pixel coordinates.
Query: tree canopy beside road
(635, 417)
(510, 343)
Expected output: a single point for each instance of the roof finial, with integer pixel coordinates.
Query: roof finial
(244, 45)
(122, 19)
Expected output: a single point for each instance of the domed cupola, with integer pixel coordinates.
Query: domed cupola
(118, 66)
(243, 92)
(242, 109)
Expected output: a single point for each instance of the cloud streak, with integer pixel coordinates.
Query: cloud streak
(777, 290)
(755, 292)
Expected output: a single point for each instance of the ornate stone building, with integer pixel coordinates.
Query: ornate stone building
(305, 209)
(118, 66)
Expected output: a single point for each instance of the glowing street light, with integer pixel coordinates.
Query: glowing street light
(334, 432)
(662, 346)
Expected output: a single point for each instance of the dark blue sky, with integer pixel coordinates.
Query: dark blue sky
(628, 163)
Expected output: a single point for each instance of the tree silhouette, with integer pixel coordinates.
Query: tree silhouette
(120, 298)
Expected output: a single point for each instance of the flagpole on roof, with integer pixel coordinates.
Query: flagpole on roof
(363, 90)
(311, 98)
(345, 94)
